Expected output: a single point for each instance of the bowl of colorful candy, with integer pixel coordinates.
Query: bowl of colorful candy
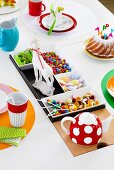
(56, 58)
(83, 99)
(58, 64)
(70, 81)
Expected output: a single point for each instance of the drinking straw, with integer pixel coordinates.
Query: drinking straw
(53, 24)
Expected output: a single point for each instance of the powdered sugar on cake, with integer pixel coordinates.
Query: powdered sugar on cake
(102, 48)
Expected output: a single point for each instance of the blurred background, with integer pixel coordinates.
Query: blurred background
(108, 4)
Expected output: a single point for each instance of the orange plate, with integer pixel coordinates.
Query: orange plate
(30, 118)
(110, 86)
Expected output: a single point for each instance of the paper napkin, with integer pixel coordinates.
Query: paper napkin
(14, 142)
(11, 135)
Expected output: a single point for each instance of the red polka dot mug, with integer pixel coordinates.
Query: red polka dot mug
(86, 128)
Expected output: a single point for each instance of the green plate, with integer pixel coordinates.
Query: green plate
(106, 94)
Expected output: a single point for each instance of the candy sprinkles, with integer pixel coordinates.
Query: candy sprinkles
(56, 63)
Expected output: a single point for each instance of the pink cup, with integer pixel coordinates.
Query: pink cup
(35, 7)
(17, 107)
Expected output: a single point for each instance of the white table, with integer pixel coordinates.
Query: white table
(43, 148)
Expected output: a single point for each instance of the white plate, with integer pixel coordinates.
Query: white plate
(10, 9)
(67, 23)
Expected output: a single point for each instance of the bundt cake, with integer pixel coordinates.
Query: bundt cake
(101, 48)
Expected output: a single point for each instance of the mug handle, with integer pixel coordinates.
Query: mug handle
(43, 7)
(66, 119)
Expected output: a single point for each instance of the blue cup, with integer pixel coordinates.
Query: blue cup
(9, 35)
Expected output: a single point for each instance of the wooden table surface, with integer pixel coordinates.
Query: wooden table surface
(108, 4)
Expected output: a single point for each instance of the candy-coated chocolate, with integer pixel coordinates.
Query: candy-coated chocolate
(96, 102)
(74, 107)
(62, 103)
(92, 97)
(54, 111)
(79, 99)
(77, 104)
(57, 64)
(69, 101)
(54, 102)
(63, 107)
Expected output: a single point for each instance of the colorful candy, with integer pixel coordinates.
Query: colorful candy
(72, 82)
(57, 64)
(72, 104)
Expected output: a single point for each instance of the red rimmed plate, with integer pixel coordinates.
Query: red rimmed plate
(4, 91)
(70, 25)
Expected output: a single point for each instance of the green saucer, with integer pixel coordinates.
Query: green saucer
(106, 94)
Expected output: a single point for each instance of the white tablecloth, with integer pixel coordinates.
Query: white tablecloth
(43, 148)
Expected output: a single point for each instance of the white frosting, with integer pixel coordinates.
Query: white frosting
(102, 45)
(101, 40)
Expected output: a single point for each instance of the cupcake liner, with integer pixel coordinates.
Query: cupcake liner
(17, 119)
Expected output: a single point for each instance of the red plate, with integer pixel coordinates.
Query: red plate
(58, 31)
